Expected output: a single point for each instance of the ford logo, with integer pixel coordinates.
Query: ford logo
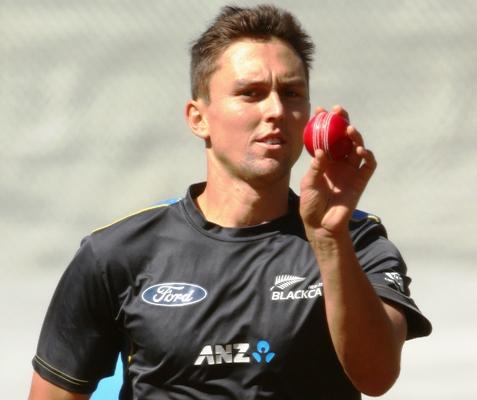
(174, 294)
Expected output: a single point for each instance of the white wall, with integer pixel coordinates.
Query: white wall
(92, 128)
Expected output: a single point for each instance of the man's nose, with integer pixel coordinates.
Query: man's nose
(273, 106)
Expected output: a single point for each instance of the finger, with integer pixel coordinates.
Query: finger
(369, 165)
(354, 158)
(355, 135)
(319, 109)
(338, 109)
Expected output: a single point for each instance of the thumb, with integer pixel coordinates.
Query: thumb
(313, 190)
(314, 177)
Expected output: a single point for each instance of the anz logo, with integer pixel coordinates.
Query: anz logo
(235, 353)
(263, 352)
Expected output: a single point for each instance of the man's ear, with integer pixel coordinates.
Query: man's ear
(195, 116)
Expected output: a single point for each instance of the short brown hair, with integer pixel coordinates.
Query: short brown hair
(262, 22)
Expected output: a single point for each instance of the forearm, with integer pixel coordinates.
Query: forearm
(367, 340)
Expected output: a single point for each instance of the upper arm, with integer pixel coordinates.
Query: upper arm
(41, 389)
(79, 342)
(398, 321)
(385, 268)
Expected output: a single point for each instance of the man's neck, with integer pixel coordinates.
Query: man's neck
(238, 204)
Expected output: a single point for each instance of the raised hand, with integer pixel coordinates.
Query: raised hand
(330, 190)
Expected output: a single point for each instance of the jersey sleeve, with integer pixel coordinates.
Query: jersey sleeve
(79, 342)
(387, 272)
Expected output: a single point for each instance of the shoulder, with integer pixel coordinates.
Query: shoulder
(137, 217)
(364, 225)
(359, 216)
(135, 230)
(370, 238)
(373, 248)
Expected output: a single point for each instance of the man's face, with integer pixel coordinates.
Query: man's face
(258, 106)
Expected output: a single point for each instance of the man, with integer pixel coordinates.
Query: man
(241, 290)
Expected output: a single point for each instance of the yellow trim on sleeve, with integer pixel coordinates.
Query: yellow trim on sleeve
(375, 218)
(60, 374)
(130, 215)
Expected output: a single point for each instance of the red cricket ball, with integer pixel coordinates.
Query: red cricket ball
(327, 131)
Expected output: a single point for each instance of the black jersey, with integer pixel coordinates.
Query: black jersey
(198, 311)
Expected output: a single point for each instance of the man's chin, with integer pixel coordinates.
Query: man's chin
(271, 173)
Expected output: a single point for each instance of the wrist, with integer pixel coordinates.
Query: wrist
(326, 237)
(327, 244)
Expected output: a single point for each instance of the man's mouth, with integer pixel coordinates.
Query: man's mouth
(272, 140)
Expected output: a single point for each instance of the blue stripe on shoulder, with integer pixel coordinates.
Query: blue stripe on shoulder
(359, 215)
(168, 202)
(164, 203)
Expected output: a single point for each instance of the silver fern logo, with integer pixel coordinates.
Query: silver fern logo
(281, 290)
(395, 279)
(284, 281)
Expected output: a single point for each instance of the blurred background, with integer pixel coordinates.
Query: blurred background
(92, 95)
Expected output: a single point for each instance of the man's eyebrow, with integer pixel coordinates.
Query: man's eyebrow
(292, 81)
(244, 82)
(248, 82)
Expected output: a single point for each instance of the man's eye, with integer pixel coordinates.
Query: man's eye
(291, 93)
(250, 93)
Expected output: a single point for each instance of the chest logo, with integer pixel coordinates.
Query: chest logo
(283, 281)
(285, 289)
(174, 294)
(235, 353)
